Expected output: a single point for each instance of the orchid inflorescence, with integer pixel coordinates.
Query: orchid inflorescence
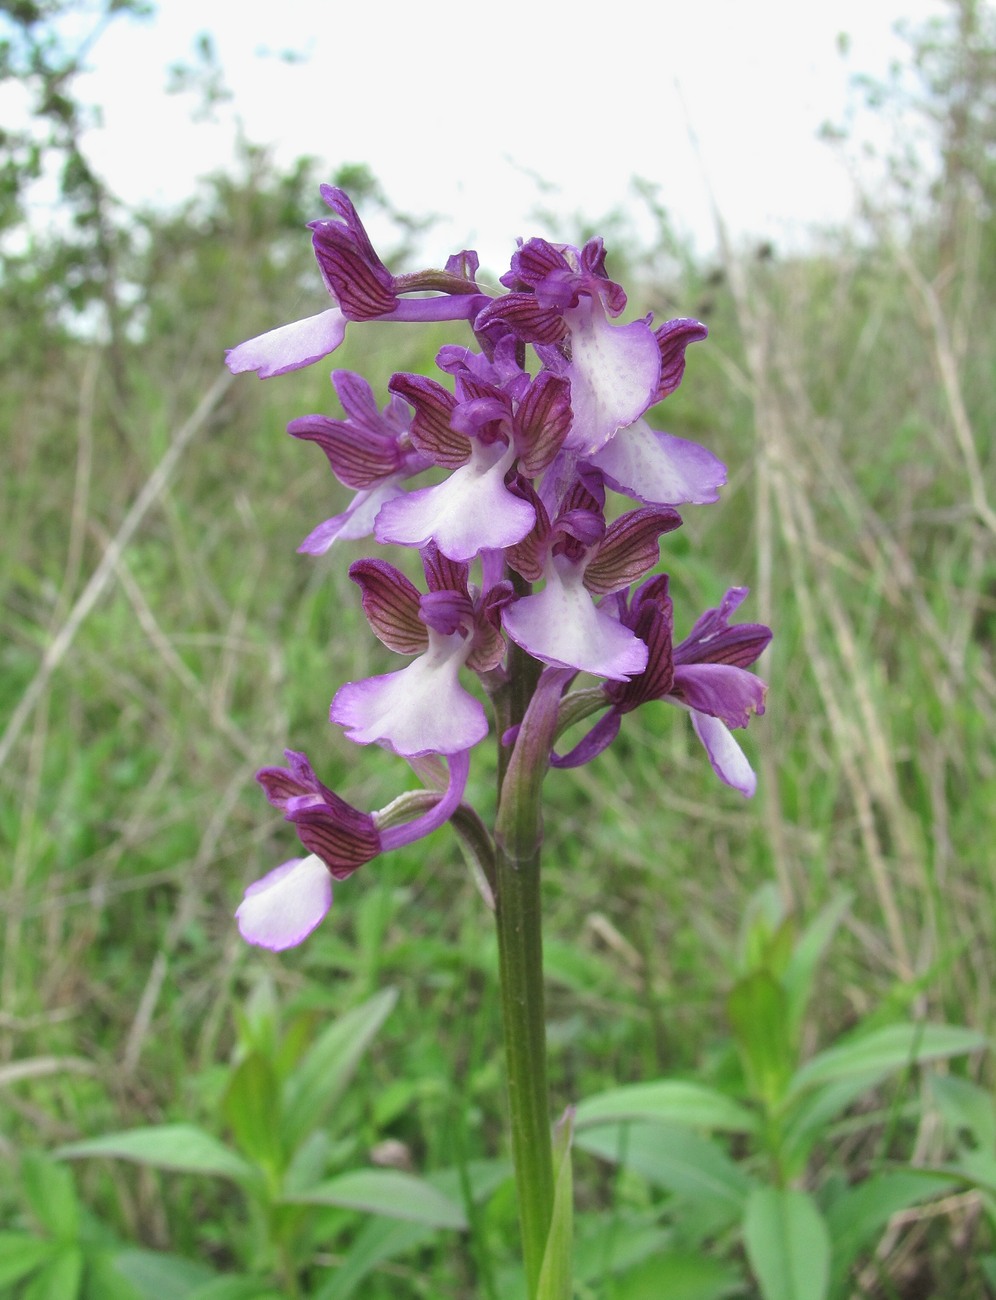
(528, 583)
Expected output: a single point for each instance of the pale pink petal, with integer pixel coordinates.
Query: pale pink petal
(289, 347)
(422, 709)
(356, 521)
(727, 758)
(284, 907)
(562, 625)
(468, 512)
(659, 468)
(614, 374)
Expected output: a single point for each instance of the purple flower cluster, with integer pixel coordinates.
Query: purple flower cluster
(522, 440)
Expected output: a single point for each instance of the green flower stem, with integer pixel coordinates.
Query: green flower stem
(518, 915)
(520, 951)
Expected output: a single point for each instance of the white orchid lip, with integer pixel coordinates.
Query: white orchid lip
(281, 910)
(562, 625)
(422, 709)
(469, 512)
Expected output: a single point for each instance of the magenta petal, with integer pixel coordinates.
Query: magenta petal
(727, 758)
(614, 375)
(422, 709)
(561, 625)
(284, 907)
(471, 511)
(722, 690)
(289, 347)
(659, 468)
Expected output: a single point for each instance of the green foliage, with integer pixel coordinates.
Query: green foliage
(799, 1242)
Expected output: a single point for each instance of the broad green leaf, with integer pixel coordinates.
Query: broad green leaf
(681, 1160)
(978, 1167)
(388, 1192)
(856, 1219)
(180, 1147)
(671, 1101)
(313, 1088)
(21, 1254)
(235, 1288)
(886, 1050)
(250, 1105)
(966, 1106)
(378, 1240)
(159, 1276)
(758, 1010)
(382, 1239)
(678, 1275)
(51, 1193)
(59, 1279)
(806, 956)
(787, 1243)
(555, 1272)
(806, 1119)
(608, 1244)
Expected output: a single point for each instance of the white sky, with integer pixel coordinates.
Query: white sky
(457, 108)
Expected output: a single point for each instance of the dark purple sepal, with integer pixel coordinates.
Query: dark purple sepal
(356, 462)
(391, 604)
(431, 430)
(350, 267)
(342, 836)
(713, 640)
(442, 573)
(630, 548)
(525, 316)
(673, 337)
(528, 556)
(542, 422)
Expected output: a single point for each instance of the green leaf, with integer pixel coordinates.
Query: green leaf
(555, 1272)
(21, 1254)
(856, 1219)
(671, 1101)
(59, 1279)
(250, 1105)
(235, 1288)
(806, 1119)
(180, 1147)
(886, 1050)
(378, 1240)
(51, 1193)
(678, 1275)
(978, 1167)
(787, 1243)
(156, 1275)
(758, 1011)
(966, 1107)
(681, 1160)
(317, 1082)
(806, 956)
(387, 1192)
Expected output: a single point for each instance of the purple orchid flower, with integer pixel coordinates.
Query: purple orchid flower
(369, 450)
(579, 558)
(705, 674)
(281, 910)
(562, 296)
(423, 709)
(361, 288)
